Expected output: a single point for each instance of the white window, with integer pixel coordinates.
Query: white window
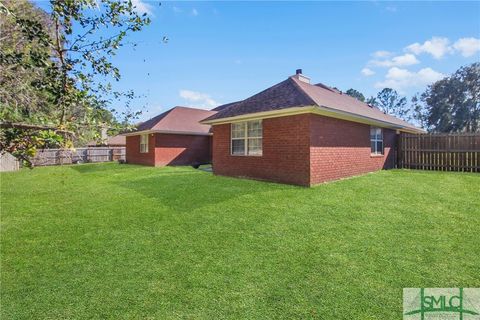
(246, 138)
(376, 140)
(144, 143)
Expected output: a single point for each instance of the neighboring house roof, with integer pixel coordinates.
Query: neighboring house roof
(301, 95)
(180, 120)
(117, 140)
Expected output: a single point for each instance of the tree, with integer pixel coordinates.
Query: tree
(355, 94)
(453, 103)
(372, 101)
(419, 112)
(389, 101)
(69, 50)
(19, 99)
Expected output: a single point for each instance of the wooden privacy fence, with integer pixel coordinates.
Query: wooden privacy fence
(8, 162)
(444, 152)
(50, 157)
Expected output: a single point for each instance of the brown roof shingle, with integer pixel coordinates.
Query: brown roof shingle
(296, 93)
(343, 102)
(282, 95)
(179, 119)
(224, 106)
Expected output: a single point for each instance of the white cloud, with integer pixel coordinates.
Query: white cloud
(400, 79)
(177, 9)
(407, 59)
(382, 54)
(437, 47)
(367, 72)
(201, 100)
(194, 12)
(142, 7)
(467, 46)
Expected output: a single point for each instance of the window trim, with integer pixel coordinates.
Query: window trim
(245, 139)
(375, 140)
(144, 143)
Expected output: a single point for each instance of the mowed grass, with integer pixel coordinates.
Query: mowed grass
(111, 241)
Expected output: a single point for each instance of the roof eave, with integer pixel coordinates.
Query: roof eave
(413, 130)
(344, 115)
(136, 133)
(262, 115)
(315, 109)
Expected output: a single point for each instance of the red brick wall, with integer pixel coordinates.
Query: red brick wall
(169, 149)
(305, 150)
(341, 149)
(178, 149)
(285, 152)
(133, 154)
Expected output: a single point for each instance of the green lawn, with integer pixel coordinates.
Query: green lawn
(130, 242)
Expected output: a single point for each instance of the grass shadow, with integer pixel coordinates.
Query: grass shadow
(184, 189)
(102, 167)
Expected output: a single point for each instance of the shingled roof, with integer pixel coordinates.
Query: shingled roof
(224, 106)
(182, 120)
(297, 93)
(118, 140)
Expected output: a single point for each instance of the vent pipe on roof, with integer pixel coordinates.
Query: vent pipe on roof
(298, 75)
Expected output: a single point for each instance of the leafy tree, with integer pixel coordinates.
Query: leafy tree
(372, 101)
(19, 98)
(390, 102)
(355, 94)
(68, 51)
(23, 140)
(419, 112)
(453, 103)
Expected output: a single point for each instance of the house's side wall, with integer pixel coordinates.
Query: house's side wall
(286, 152)
(132, 151)
(179, 149)
(341, 149)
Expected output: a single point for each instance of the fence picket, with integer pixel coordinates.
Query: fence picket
(443, 152)
(49, 157)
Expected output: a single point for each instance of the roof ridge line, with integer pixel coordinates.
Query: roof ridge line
(303, 91)
(189, 107)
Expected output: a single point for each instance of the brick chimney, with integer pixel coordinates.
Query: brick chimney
(298, 75)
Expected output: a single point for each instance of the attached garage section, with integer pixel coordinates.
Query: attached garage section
(172, 138)
(169, 149)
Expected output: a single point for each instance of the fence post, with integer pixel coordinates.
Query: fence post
(399, 151)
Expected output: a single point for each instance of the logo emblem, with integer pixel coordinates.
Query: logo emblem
(441, 303)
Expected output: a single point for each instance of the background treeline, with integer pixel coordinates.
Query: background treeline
(56, 75)
(448, 105)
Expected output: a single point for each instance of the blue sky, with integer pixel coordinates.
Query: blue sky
(219, 52)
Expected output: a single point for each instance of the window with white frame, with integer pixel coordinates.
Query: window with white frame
(144, 143)
(246, 138)
(376, 140)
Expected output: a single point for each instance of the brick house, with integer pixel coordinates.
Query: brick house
(299, 133)
(175, 137)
